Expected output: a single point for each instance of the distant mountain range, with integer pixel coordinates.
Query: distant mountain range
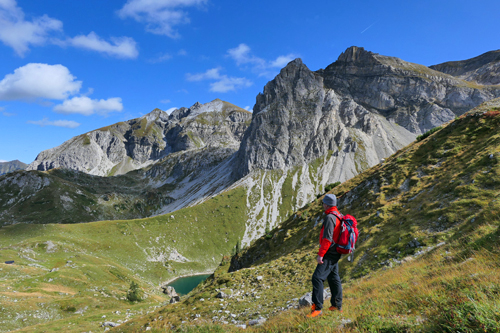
(308, 129)
(6, 167)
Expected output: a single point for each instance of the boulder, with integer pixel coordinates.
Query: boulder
(257, 322)
(222, 294)
(306, 300)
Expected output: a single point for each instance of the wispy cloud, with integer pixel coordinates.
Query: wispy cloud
(58, 123)
(34, 81)
(165, 101)
(160, 16)
(223, 83)
(19, 33)
(3, 161)
(210, 74)
(161, 58)
(86, 106)
(121, 47)
(242, 55)
(8, 114)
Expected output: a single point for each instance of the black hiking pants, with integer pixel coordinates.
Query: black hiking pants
(328, 270)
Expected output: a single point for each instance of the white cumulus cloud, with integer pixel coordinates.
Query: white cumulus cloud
(87, 106)
(242, 55)
(58, 123)
(223, 83)
(160, 16)
(121, 47)
(35, 80)
(19, 33)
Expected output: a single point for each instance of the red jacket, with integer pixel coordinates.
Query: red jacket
(329, 231)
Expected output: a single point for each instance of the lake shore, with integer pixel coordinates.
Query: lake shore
(187, 275)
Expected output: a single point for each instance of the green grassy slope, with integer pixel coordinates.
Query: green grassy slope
(76, 273)
(427, 258)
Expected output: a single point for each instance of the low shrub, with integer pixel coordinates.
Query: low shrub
(429, 132)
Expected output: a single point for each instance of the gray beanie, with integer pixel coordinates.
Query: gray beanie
(330, 200)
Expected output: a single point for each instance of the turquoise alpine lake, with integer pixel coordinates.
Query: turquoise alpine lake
(185, 284)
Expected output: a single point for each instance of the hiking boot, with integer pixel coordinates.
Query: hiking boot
(334, 308)
(314, 313)
(313, 307)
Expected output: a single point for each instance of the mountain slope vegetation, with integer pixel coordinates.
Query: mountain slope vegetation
(77, 273)
(427, 258)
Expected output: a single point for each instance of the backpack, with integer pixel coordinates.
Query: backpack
(346, 241)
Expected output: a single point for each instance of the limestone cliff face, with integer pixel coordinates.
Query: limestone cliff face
(298, 120)
(411, 95)
(363, 107)
(483, 69)
(137, 143)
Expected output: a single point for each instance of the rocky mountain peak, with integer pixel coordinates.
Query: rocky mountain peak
(356, 54)
(156, 114)
(6, 167)
(292, 81)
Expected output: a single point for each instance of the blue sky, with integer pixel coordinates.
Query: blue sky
(69, 67)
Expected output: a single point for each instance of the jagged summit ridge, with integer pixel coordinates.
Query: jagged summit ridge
(137, 143)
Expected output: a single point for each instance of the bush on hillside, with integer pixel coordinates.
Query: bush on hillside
(330, 187)
(429, 132)
(134, 294)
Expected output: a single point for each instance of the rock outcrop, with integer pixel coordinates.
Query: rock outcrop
(137, 143)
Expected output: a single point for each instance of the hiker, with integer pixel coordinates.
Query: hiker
(328, 258)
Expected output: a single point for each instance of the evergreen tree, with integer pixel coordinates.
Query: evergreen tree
(134, 294)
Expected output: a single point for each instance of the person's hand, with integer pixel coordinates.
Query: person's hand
(319, 260)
